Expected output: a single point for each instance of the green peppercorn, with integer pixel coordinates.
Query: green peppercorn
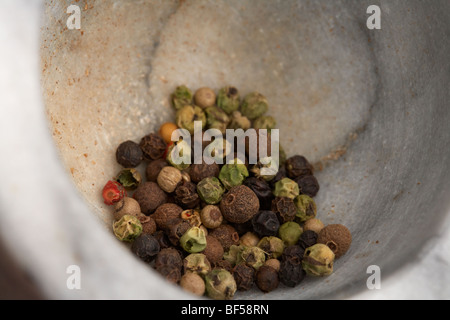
(252, 256)
(254, 105)
(127, 228)
(286, 188)
(306, 208)
(210, 190)
(181, 97)
(228, 99)
(186, 116)
(238, 121)
(290, 233)
(266, 168)
(179, 155)
(272, 246)
(197, 263)
(194, 240)
(216, 118)
(318, 260)
(265, 122)
(220, 284)
(233, 174)
(233, 253)
(129, 178)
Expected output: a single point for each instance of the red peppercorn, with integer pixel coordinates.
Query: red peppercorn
(113, 192)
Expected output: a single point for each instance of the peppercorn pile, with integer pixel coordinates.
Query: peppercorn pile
(215, 229)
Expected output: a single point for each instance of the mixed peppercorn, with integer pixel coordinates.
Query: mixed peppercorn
(215, 229)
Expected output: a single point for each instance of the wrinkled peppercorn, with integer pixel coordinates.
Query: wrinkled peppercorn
(129, 178)
(146, 247)
(162, 238)
(129, 154)
(281, 174)
(308, 239)
(168, 263)
(149, 196)
(154, 168)
(285, 209)
(166, 215)
(239, 205)
(267, 279)
(308, 185)
(186, 195)
(198, 172)
(197, 263)
(210, 190)
(244, 276)
(298, 166)
(293, 253)
(291, 274)
(224, 264)
(226, 235)
(272, 246)
(266, 223)
(177, 229)
(153, 146)
(262, 190)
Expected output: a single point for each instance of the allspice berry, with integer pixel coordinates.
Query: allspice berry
(337, 237)
(214, 250)
(153, 146)
(126, 206)
(148, 224)
(205, 97)
(169, 178)
(211, 216)
(154, 168)
(267, 279)
(149, 196)
(129, 154)
(198, 172)
(226, 235)
(193, 283)
(166, 214)
(239, 205)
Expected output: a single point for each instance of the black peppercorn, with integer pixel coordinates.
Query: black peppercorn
(244, 276)
(285, 209)
(129, 154)
(294, 254)
(186, 195)
(149, 196)
(162, 239)
(281, 174)
(153, 146)
(266, 223)
(198, 172)
(298, 166)
(239, 205)
(146, 247)
(169, 263)
(308, 239)
(177, 229)
(154, 168)
(224, 264)
(262, 190)
(291, 274)
(267, 279)
(308, 185)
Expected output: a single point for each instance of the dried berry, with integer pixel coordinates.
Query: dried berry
(291, 274)
(262, 190)
(205, 97)
(239, 205)
(127, 228)
(226, 235)
(194, 240)
(178, 227)
(220, 284)
(284, 208)
(281, 174)
(318, 260)
(146, 247)
(223, 264)
(113, 192)
(254, 105)
(149, 196)
(306, 208)
(216, 118)
(249, 239)
(308, 239)
(168, 263)
(298, 166)
(211, 216)
(169, 178)
(313, 224)
(244, 276)
(233, 174)
(233, 254)
(187, 115)
(154, 168)
(274, 263)
(266, 223)
(198, 172)
(162, 238)
(126, 206)
(166, 215)
(308, 185)
(214, 250)
(228, 99)
(267, 279)
(294, 254)
(148, 224)
(290, 233)
(266, 169)
(179, 155)
(193, 283)
(251, 256)
(265, 122)
(129, 154)
(238, 121)
(181, 97)
(129, 178)
(186, 195)
(272, 246)
(337, 237)
(286, 188)
(210, 190)
(153, 146)
(197, 263)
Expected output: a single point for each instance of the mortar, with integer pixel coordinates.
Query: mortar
(368, 107)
